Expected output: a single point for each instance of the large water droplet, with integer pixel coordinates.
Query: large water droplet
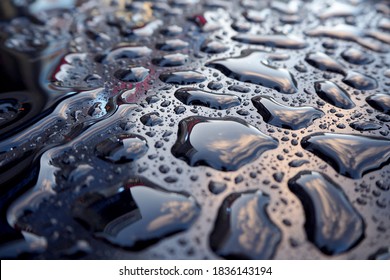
(122, 148)
(365, 126)
(252, 67)
(354, 79)
(172, 45)
(151, 119)
(169, 60)
(333, 94)
(332, 224)
(351, 155)
(172, 30)
(288, 8)
(357, 56)
(192, 96)
(132, 75)
(182, 77)
(256, 16)
(243, 229)
(275, 41)
(224, 144)
(380, 101)
(285, 116)
(136, 215)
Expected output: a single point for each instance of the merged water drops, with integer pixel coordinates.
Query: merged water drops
(99, 95)
(365, 126)
(253, 67)
(256, 16)
(349, 33)
(285, 116)
(122, 148)
(136, 215)
(192, 96)
(243, 229)
(338, 9)
(213, 46)
(331, 223)
(276, 41)
(224, 144)
(216, 187)
(171, 60)
(151, 119)
(352, 78)
(350, 155)
(172, 45)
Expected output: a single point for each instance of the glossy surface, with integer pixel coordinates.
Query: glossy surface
(194, 129)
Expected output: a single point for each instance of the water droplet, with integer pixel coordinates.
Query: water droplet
(224, 144)
(172, 45)
(333, 94)
(192, 96)
(384, 186)
(151, 119)
(360, 81)
(351, 155)
(256, 16)
(182, 77)
(243, 229)
(354, 79)
(217, 187)
(239, 88)
(365, 126)
(356, 56)
(172, 30)
(122, 148)
(132, 75)
(169, 60)
(380, 101)
(251, 67)
(125, 52)
(324, 62)
(213, 46)
(332, 224)
(297, 162)
(289, 8)
(338, 9)
(241, 26)
(215, 85)
(275, 41)
(137, 215)
(285, 116)
(348, 33)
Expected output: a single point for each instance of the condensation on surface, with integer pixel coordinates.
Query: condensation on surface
(194, 129)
